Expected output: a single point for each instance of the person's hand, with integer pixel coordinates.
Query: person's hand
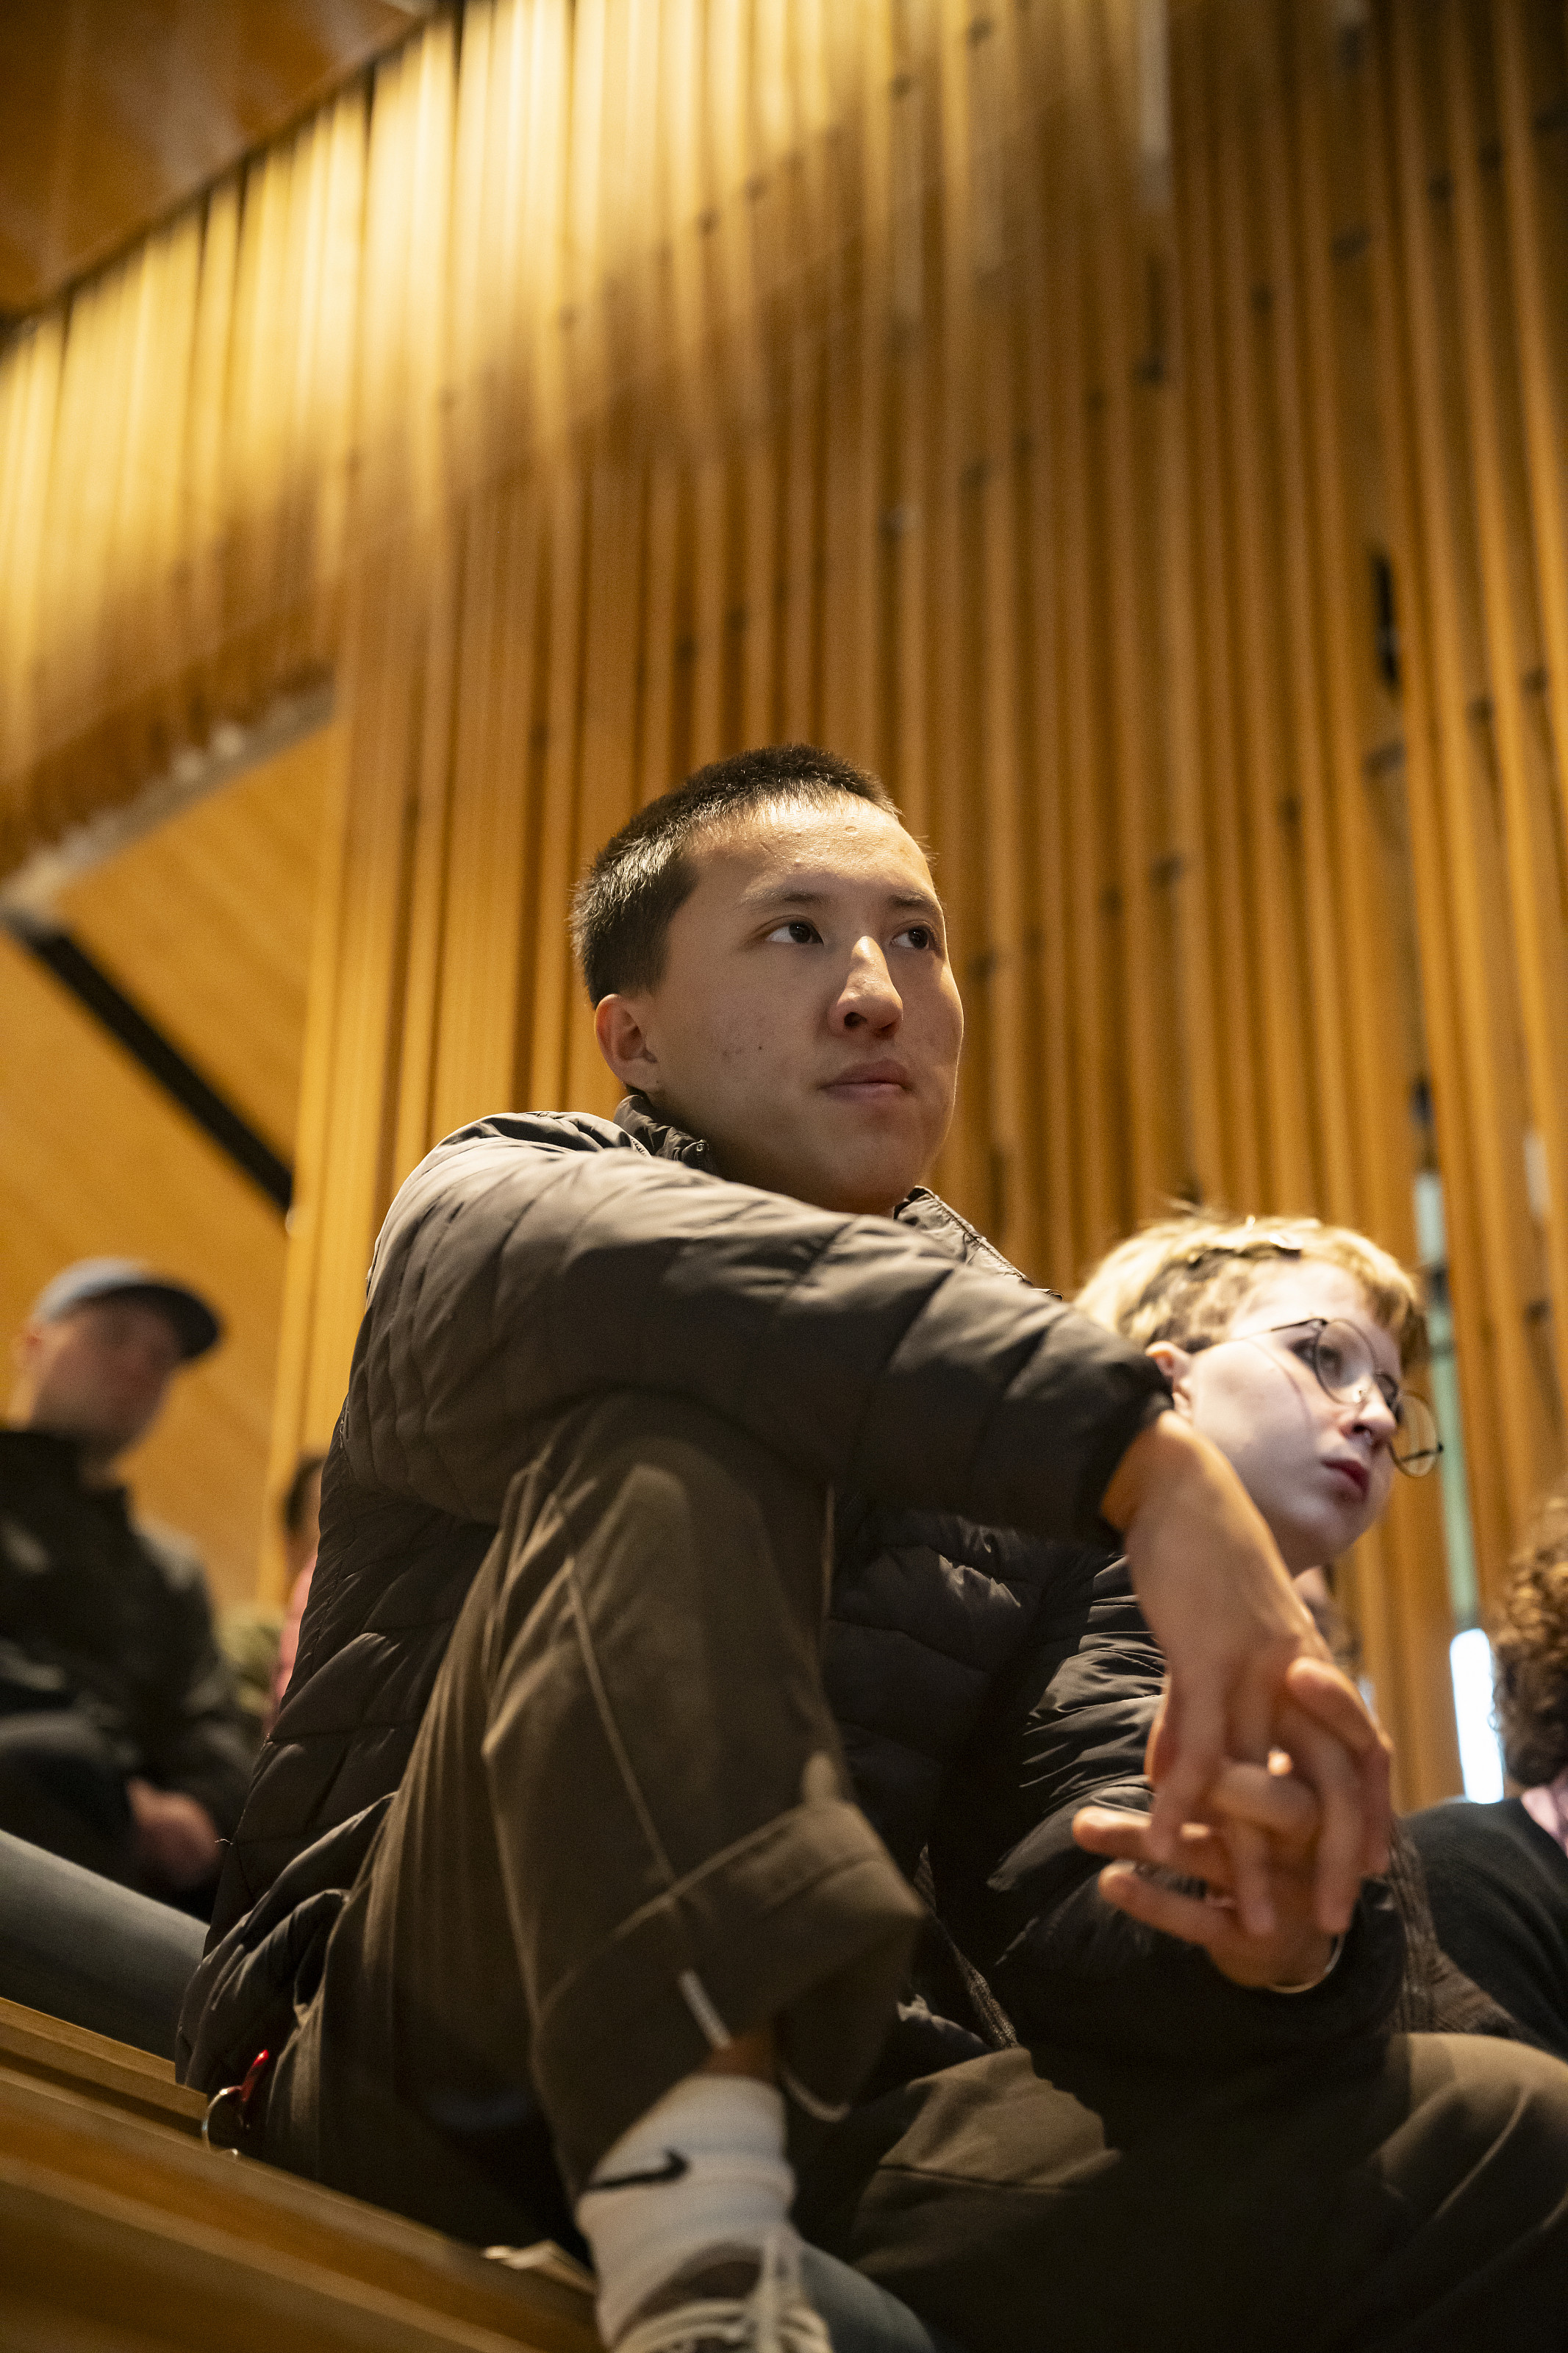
(1220, 1605)
(174, 1838)
(1274, 1804)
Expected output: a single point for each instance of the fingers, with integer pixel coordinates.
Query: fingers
(1249, 1863)
(1320, 1759)
(1329, 1697)
(1105, 1829)
(1252, 1710)
(1332, 1699)
(1157, 1756)
(1186, 1750)
(1377, 1804)
(1272, 1800)
(1195, 1766)
(1196, 1919)
(1339, 1751)
(1204, 1854)
(1277, 1802)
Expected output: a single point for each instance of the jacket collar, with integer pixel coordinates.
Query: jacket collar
(51, 1455)
(664, 1141)
(922, 1209)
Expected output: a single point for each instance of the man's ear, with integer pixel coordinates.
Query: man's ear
(1177, 1366)
(624, 1043)
(24, 1350)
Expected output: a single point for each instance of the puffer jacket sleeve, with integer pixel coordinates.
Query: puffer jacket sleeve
(527, 1262)
(1069, 1730)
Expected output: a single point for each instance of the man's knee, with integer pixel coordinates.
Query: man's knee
(639, 1480)
(598, 1439)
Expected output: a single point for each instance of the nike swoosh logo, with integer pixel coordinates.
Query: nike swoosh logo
(672, 2170)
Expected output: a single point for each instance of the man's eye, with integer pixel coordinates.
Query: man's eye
(799, 933)
(917, 936)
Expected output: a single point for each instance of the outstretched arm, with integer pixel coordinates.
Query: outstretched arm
(527, 1262)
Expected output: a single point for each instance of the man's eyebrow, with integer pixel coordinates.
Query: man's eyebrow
(923, 903)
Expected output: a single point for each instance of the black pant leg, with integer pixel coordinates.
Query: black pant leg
(625, 1832)
(62, 1788)
(1410, 2196)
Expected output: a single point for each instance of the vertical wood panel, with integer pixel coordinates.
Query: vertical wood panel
(598, 389)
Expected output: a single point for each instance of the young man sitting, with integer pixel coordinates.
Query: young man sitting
(555, 1857)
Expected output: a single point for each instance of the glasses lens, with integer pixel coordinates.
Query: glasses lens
(1342, 1360)
(1416, 1445)
(1344, 1365)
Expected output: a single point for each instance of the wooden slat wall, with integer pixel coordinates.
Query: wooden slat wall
(96, 1160)
(1014, 395)
(206, 923)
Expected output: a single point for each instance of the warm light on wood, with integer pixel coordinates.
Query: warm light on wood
(1019, 400)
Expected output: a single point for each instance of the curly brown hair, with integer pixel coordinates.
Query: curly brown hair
(1530, 1644)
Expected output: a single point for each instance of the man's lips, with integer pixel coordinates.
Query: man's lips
(1350, 1468)
(870, 1083)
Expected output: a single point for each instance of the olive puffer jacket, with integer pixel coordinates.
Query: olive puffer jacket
(968, 1424)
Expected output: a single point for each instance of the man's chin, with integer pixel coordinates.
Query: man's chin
(854, 1164)
(870, 1186)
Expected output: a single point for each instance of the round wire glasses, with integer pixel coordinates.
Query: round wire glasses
(1342, 1358)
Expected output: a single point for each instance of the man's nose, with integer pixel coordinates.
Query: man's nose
(868, 999)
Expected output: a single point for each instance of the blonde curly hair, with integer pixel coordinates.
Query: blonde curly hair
(1530, 1644)
(1188, 1277)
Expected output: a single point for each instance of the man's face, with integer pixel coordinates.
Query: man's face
(807, 1022)
(99, 1373)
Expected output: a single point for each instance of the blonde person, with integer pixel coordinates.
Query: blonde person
(1259, 2088)
(1287, 1342)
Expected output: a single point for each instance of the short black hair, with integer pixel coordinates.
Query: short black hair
(622, 909)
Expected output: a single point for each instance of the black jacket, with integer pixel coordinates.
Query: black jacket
(532, 1260)
(1498, 1886)
(110, 1619)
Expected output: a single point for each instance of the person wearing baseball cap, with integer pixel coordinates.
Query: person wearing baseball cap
(121, 1744)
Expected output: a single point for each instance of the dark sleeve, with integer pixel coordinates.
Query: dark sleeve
(1497, 1884)
(1069, 1729)
(200, 1743)
(517, 1272)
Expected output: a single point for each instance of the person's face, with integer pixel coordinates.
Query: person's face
(99, 1373)
(1319, 1468)
(806, 1021)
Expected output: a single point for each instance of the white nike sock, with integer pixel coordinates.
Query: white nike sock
(703, 2168)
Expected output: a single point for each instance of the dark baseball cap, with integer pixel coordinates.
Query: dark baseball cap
(195, 1325)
